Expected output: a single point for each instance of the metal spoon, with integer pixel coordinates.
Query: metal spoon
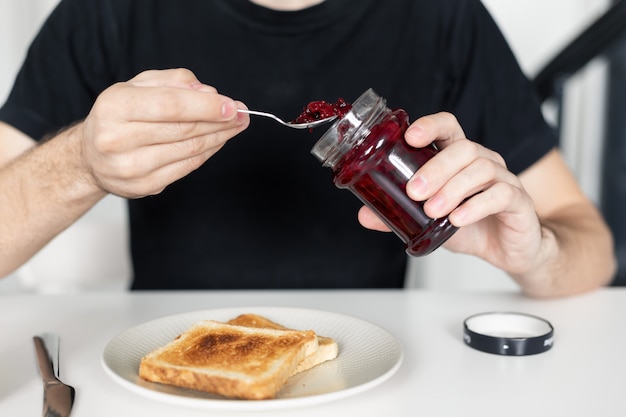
(308, 125)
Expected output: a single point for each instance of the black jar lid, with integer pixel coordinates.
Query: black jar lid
(508, 333)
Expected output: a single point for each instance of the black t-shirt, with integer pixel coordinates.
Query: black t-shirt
(263, 213)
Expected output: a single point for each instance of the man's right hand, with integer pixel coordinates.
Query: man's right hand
(139, 137)
(144, 134)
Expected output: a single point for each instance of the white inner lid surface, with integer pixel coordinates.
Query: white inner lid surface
(508, 325)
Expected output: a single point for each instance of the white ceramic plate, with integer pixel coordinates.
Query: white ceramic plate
(368, 355)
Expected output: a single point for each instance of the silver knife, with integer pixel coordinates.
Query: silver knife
(58, 398)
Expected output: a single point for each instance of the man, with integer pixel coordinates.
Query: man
(218, 202)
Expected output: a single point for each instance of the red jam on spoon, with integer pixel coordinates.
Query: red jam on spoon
(317, 110)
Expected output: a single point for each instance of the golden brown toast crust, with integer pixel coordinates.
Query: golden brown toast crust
(254, 320)
(327, 347)
(230, 360)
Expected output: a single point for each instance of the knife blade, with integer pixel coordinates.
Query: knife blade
(58, 398)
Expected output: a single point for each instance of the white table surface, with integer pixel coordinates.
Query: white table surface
(584, 374)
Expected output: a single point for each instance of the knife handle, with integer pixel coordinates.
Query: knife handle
(43, 359)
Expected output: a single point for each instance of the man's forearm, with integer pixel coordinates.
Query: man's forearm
(42, 192)
(577, 255)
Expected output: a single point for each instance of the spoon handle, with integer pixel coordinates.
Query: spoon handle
(260, 113)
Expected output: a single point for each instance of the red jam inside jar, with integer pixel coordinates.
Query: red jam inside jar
(368, 155)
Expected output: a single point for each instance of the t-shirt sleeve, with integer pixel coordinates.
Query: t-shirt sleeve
(491, 96)
(67, 65)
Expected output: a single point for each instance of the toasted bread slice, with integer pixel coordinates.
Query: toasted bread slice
(327, 347)
(233, 361)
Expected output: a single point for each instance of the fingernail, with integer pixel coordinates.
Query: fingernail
(414, 132)
(417, 186)
(436, 203)
(229, 109)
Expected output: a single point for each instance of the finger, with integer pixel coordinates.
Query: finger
(180, 77)
(170, 104)
(144, 160)
(477, 177)
(447, 164)
(155, 181)
(370, 220)
(499, 199)
(441, 128)
(164, 154)
(140, 135)
(160, 115)
(467, 184)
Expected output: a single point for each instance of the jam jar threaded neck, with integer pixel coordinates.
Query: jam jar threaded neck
(351, 129)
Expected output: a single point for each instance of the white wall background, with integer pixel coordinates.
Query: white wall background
(93, 253)
(19, 21)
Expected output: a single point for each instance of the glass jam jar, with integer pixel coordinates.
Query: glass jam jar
(368, 155)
